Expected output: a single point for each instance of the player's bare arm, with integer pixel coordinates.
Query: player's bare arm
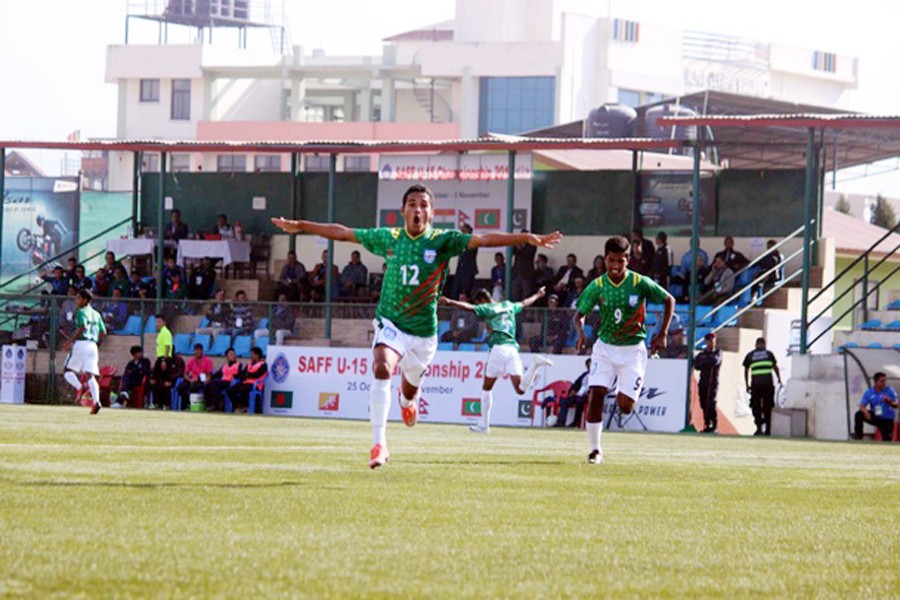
(659, 341)
(494, 240)
(330, 231)
(534, 297)
(445, 301)
(76, 335)
(578, 322)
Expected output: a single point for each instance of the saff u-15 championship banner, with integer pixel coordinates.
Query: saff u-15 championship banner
(335, 382)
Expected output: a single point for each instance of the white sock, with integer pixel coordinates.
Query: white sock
(379, 403)
(95, 389)
(594, 430)
(72, 379)
(487, 401)
(530, 376)
(405, 403)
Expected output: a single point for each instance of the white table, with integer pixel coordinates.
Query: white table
(229, 251)
(131, 247)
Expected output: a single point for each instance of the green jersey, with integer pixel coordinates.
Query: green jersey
(415, 275)
(622, 306)
(92, 322)
(501, 321)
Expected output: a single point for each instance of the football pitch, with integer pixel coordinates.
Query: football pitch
(140, 503)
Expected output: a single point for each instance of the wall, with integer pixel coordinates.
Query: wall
(889, 290)
(245, 100)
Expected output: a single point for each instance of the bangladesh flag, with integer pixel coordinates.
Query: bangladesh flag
(524, 409)
(471, 407)
(487, 218)
(390, 218)
(282, 399)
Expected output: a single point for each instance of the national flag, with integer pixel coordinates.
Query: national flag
(282, 399)
(520, 218)
(390, 217)
(524, 409)
(487, 218)
(329, 401)
(461, 219)
(471, 407)
(444, 218)
(75, 136)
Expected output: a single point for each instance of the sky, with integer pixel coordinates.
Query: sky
(52, 52)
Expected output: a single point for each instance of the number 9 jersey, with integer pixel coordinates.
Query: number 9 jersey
(415, 275)
(622, 306)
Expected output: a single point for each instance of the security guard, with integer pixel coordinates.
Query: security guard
(760, 364)
(708, 362)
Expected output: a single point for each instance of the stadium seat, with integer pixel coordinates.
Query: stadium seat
(221, 343)
(443, 327)
(557, 389)
(204, 322)
(893, 326)
(895, 305)
(871, 324)
(132, 326)
(203, 340)
(242, 344)
(468, 348)
(263, 323)
(851, 345)
(725, 317)
(875, 345)
(445, 346)
(182, 343)
(176, 397)
(263, 344)
(256, 398)
(150, 327)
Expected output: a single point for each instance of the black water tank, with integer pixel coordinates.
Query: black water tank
(611, 120)
(652, 130)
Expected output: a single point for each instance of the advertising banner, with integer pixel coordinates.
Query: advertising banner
(334, 383)
(40, 219)
(666, 203)
(12, 375)
(468, 189)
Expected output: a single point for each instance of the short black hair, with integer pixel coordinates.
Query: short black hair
(135, 349)
(159, 316)
(617, 245)
(417, 189)
(256, 350)
(482, 294)
(198, 346)
(878, 375)
(543, 257)
(230, 349)
(572, 254)
(86, 295)
(175, 211)
(662, 235)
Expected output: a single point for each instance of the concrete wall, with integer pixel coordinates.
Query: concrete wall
(888, 291)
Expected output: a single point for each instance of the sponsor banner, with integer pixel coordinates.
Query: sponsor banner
(335, 383)
(12, 375)
(468, 189)
(666, 203)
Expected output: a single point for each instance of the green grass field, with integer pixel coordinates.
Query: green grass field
(139, 503)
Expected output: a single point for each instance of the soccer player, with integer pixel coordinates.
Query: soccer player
(84, 356)
(503, 358)
(406, 316)
(619, 356)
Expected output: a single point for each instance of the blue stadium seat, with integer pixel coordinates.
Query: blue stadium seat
(443, 327)
(871, 324)
(132, 326)
(242, 344)
(203, 340)
(725, 316)
(895, 305)
(445, 346)
(893, 326)
(150, 327)
(851, 345)
(263, 323)
(204, 322)
(182, 343)
(220, 344)
(263, 344)
(468, 347)
(875, 345)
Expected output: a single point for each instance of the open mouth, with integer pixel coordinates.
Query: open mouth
(417, 220)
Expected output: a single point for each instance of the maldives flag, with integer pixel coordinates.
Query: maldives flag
(282, 399)
(471, 407)
(487, 218)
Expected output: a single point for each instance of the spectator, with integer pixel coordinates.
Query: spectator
(877, 407)
(720, 281)
(732, 258)
(110, 265)
(708, 361)
(164, 345)
(221, 380)
(565, 276)
(523, 272)
(120, 282)
(135, 376)
(684, 279)
(598, 269)
(293, 279)
(647, 249)
(59, 283)
(577, 398)
(463, 325)
(760, 364)
(354, 276)
(466, 269)
(558, 322)
(376, 280)
(101, 283)
(770, 261)
(115, 311)
(81, 281)
(176, 230)
(70, 271)
(219, 317)
(241, 320)
(638, 261)
(253, 375)
(675, 346)
(162, 381)
(203, 281)
(318, 278)
(197, 372)
(67, 310)
(663, 260)
(543, 276)
(176, 290)
(283, 318)
(224, 230)
(498, 276)
(574, 293)
(170, 269)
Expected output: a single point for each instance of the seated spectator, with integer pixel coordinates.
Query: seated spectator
(577, 398)
(136, 373)
(647, 249)
(638, 261)
(59, 283)
(252, 375)
(376, 280)
(543, 276)
(293, 280)
(684, 279)
(720, 281)
(219, 317)
(662, 262)
(197, 372)
(464, 325)
(770, 261)
(318, 279)
(241, 321)
(110, 264)
(170, 269)
(115, 311)
(225, 230)
(221, 380)
(498, 277)
(81, 281)
(675, 346)
(176, 290)
(120, 282)
(67, 311)
(101, 283)
(733, 259)
(575, 292)
(141, 288)
(598, 269)
(70, 270)
(877, 407)
(283, 318)
(565, 276)
(558, 323)
(176, 230)
(203, 281)
(354, 276)
(162, 380)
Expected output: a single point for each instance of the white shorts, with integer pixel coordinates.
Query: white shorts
(619, 366)
(84, 358)
(503, 360)
(417, 352)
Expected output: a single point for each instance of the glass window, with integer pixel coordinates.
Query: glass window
(317, 163)
(149, 90)
(357, 163)
(180, 163)
(630, 98)
(516, 104)
(150, 162)
(267, 163)
(181, 99)
(234, 163)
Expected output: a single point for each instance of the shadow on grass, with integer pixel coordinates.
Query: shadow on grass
(505, 463)
(165, 485)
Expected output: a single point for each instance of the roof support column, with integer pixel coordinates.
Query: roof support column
(329, 259)
(695, 251)
(510, 207)
(807, 235)
(160, 229)
(295, 197)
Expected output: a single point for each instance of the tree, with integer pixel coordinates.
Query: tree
(842, 206)
(883, 215)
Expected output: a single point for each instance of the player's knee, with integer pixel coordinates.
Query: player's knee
(382, 369)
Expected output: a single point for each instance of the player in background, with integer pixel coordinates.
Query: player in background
(619, 355)
(503, 358)
(406, 317)
(84, 356)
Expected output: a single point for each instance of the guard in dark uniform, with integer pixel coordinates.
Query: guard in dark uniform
(758, 368)
(708, 362)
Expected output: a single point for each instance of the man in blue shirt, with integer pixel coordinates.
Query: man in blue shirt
(877, 407)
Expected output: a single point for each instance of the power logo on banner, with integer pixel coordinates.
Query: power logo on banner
(282, 400)
(471, 407)
(487, 218)
(329, 402)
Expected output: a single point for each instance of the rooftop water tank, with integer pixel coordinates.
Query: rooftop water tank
(611, 120)
(652, 130)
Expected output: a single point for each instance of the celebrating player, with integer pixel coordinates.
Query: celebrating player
(84, 356)
(619, 354)
(406, 316)
(503, 358)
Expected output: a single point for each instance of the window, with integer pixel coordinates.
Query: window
(181, 99)
(181, 163)
(318, 163)
(636, 98)
(357, 163)
(267, 163)
(824, 61)
(149, 90)
(150, 163)
(235, 163)
(516, 104)
(626, 31)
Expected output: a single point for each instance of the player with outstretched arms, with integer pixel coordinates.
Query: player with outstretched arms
(619, 355)
(503, 358)
(84, 354)
(406, 317)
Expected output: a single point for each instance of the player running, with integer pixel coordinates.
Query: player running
(503, 358)
(406, 316)
(619, 356)
(84, 356)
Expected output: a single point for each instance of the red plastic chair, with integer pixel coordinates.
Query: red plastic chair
(557, 389)
(105, 382)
